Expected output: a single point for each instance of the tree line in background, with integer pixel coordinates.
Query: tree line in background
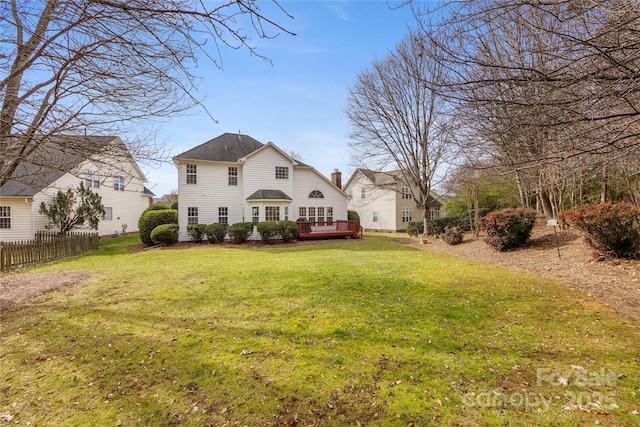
(536, 103)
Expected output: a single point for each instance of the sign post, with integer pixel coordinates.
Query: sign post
(554, 223)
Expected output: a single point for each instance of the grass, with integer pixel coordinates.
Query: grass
(346, 333)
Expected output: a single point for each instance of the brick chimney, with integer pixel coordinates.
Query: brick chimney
(336, 178)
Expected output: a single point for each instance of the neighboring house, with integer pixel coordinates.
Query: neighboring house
(234, 178)
(106, 167)
(384, 202)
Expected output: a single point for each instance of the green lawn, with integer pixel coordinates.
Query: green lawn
(346, 333)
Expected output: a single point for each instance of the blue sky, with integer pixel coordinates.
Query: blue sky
(298, 101)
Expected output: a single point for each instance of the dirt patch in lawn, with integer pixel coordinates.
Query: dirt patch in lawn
(614, 282)
(19, 288)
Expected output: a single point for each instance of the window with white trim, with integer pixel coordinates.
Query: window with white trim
(363, 193)
(406, 193)
(374, 216)
(118, 183)
(5, 216)
(282, 172)
(233, 175)
(302, 212)
(192, 215)
(223, 215)
(329, 214)
(320, 214)
(434, 213)
(316, 194)
(92, 179)
(406, 214)
(272, 213)
(192, 174)
(108, 213)
(255, 214)
(286, 213)
(312, 214)
(350, 193)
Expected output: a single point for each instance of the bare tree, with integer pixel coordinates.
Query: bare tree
(399, 122)
(70, 67)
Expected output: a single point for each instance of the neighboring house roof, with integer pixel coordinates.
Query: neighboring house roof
(387, 178)
(228, 147)
(269, 195)
(50, 161)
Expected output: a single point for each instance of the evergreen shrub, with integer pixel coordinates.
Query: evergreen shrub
(240, 231)
(452, 235)
(150, 219)
(216, 232)
(508, 228)
(165, 234)
(196, 232)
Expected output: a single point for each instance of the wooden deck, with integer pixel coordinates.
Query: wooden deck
(330, 229)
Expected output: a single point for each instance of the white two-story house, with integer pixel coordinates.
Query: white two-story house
(102, 163)
(385, 202)
(235, 178)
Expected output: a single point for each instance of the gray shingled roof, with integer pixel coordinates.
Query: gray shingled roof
(228, 147)
(50, 161)
(269, 195)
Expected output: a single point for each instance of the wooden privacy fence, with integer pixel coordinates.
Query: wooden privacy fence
(47, 246)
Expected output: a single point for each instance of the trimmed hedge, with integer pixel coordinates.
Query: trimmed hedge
(150, 219)
(216, 232)
(285, 230)
(240, 231)
(288, 231)
(612, 230)
(415, 228)
(508, 228)
(268, 231)
(353, 216)
(165, 234)
(196, 232)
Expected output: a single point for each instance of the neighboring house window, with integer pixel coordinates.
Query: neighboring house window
(434, 213)
(350, 193)
(406, 193)
(375, 216)
(5, 216)
(312, 214)
(282, 172)
(108, 214)
(286, 213)
(223, 215)
(255, 213)
(192, 215)
(320, 214)
(329, 214)
(363, 193)
(118, 183)
(93, 179)
(406, 214)
(192, 174)
(302, 212)
(315, 194)
(233, 175)
(272, 213)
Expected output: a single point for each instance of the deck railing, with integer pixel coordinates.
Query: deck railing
(324, 229)
(47, 246)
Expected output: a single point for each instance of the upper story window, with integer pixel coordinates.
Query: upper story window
(118, 183)
(233, 175)
(192, 174)
(363, 193)
(5, 216)
(350, 193)
(316, 194)
(92, 179)
(282, 172)
(406, 193)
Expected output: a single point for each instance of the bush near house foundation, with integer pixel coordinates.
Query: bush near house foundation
(415, 228)
(612, 230)
(240, 231)
(216, 232)
(508, 228)
(165, 234)
(196, 232)
(150, 219)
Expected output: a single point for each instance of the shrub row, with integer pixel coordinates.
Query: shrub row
(612, 230)
(285, 230)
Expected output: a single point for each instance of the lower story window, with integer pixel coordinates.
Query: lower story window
(286, 213)
(108, 214)
(329, 214)
(302, 212)
(192, 215)
(434, 213)
(255, 214)
(5, 216)
(272, 213)
(312, 214)
(223, 215)
(406, 214)
(375, 216)
(320, 214)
